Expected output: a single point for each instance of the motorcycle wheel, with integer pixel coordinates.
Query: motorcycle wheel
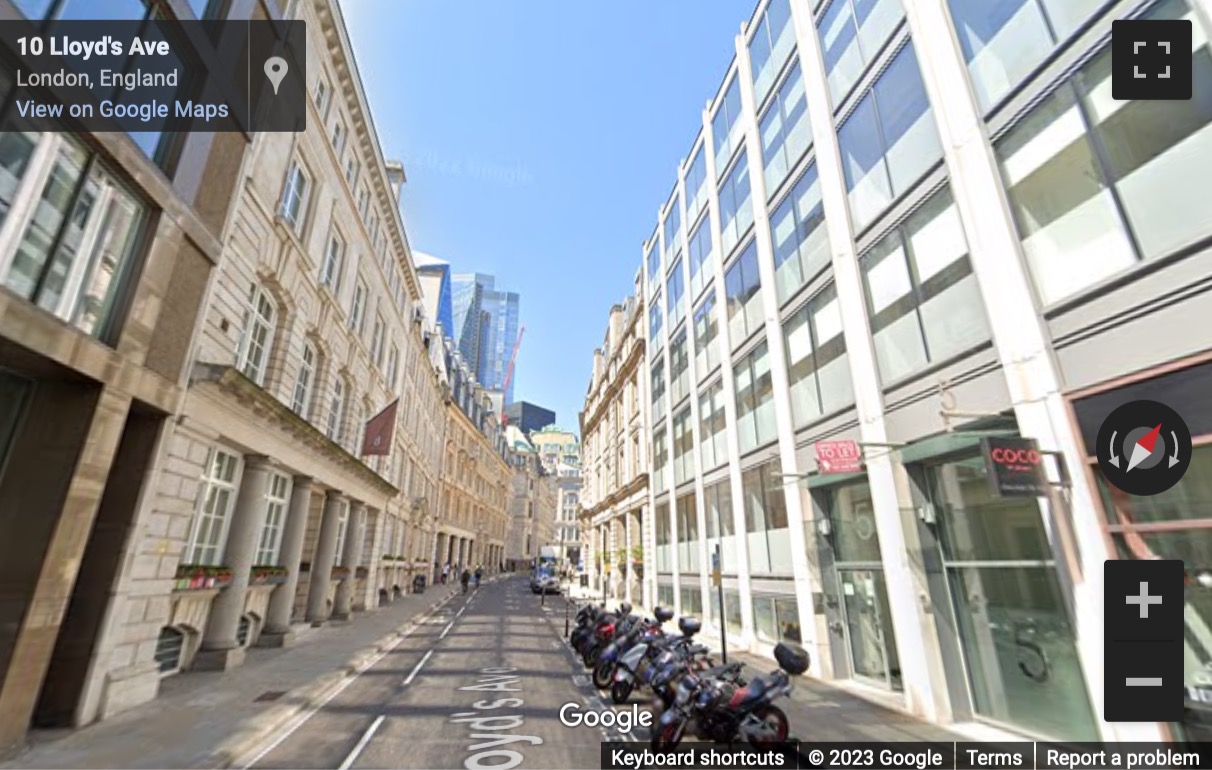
(774, 729)
(620, 692)
(667, 737)
(587, 656)
(603, 675)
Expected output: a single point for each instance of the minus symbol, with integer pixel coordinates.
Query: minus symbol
(1144, 681)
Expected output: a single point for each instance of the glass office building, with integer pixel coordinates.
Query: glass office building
(916, 225)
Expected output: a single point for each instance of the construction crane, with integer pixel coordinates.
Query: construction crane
(513, 359)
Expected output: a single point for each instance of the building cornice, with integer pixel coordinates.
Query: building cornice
(637, 484)
(614, 386)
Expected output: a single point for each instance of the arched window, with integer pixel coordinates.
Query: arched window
(255, 342)
(169, 648)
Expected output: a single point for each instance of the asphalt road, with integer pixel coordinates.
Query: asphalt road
(479, 683)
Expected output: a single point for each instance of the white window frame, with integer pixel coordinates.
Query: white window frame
(321, 95)
(363, 201)
(342, 531)
(359, 431)
(291, 190)
(357, 312)
(336, 406)
(277, 500)
(334, 262)
(376, 339)
(304, 381)
(353, 169)
(338, 135)
(195, 552)
(260, 315)
(393, 365)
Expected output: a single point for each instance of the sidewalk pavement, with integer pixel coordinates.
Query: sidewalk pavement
(209, 719)
(821, 711)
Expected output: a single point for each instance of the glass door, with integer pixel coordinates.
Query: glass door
(869, 637)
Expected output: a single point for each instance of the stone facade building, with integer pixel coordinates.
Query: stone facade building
(560, 452)
(532, 504)
(615, 525)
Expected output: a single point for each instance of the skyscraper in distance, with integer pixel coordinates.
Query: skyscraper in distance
(487, 343)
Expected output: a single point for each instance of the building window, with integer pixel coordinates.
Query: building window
(76, 232)
(660, 458)
(336, 407)
(743, 289)
(679, 367)
(712, 424)
(664, 538)
(295, 196)
(688, 537)
(700, 256)
(889, 141)
(342, 532)
(922, 297)
(818, 370)
(683, 447)
(393, 366)
(726, 129)
(706, 329)
(772, 43)
(216, 496)
(755, 400)
(276, 500)
(169, 647)
(357, 313)
(785, 130)
(321, 96)
(300, 402)
(852, 34)
(721, 526)
(658, 390)
(363, 201)
(801, 242)
(654, 266)
(338, 136)
(675, 295)
(673, 230)
(352, 169)
(359, 432)
(376, 340)
(334, 262)
(696, 185)
(255, 342)
(655, 319)
(1096, 185)
(736, 206)
(766, 520)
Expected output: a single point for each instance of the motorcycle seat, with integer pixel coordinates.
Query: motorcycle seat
(749, 693)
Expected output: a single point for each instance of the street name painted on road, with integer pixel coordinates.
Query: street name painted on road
(489, 727)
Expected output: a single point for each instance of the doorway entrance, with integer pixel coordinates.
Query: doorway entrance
(869, 640)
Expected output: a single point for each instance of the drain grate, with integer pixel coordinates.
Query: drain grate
(266, 697)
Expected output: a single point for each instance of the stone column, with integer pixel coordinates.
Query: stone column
(277, 631)
(220, 648)
(325, 557)
(342, 605)
(371, 538)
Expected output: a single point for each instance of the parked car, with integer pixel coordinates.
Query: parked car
(544, 582)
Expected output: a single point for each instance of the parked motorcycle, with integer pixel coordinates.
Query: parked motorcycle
(716, 706)
(626, 636)
(603, 634)
(645, 648)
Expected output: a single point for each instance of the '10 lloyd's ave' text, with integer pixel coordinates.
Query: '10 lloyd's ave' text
(144, 113)
(85, 49)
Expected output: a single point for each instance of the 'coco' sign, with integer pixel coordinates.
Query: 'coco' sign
(1016, 467)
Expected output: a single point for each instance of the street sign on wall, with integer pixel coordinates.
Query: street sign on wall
(838, 456)
(1015, 466)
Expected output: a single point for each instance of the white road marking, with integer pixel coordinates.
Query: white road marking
(357, 750)
(446, 630)
(417, 668)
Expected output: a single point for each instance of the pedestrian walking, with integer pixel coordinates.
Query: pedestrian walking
(479, 574)
(445, 572)
(466, 578)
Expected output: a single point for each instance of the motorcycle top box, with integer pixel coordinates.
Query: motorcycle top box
(791, 658)
(663, 614)
(690, 626)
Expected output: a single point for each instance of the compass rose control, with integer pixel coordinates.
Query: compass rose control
(1144, 447)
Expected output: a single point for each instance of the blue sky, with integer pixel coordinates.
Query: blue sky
(540, 137)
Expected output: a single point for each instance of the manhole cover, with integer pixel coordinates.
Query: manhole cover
(266, 697)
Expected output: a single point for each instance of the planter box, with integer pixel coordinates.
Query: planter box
(268, 580)
(200, 583)
(339, 573)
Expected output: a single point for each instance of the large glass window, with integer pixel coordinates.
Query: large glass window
(676, 295)
(71, 233)
(664, 538)
(818, 369)
(654, 266)
(300, 402)
(296, 194)
(688, 535)
(776, 618)
(712, 426)
(658, 390)
(357, 313)
(334, 263)
(696, 185)
(673, 230)
(1087, 174)
(785, 130)
(660, 459)
(801, 242)
(706, 329)
(1002, 41)
(255, 341)
(755, 400)
(890, 139)
(655, 322)
(852, 34)
(683, 447)
(736, 206)
(679, 367)
(336, 410)
(726, 129)
(216, 496)
(276, 499)
(743, 288)
(700, 257)
(772, 43)
(922, 297)
(767, 533)
(721, 526)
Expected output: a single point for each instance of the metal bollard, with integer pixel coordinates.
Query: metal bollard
(567, 606)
